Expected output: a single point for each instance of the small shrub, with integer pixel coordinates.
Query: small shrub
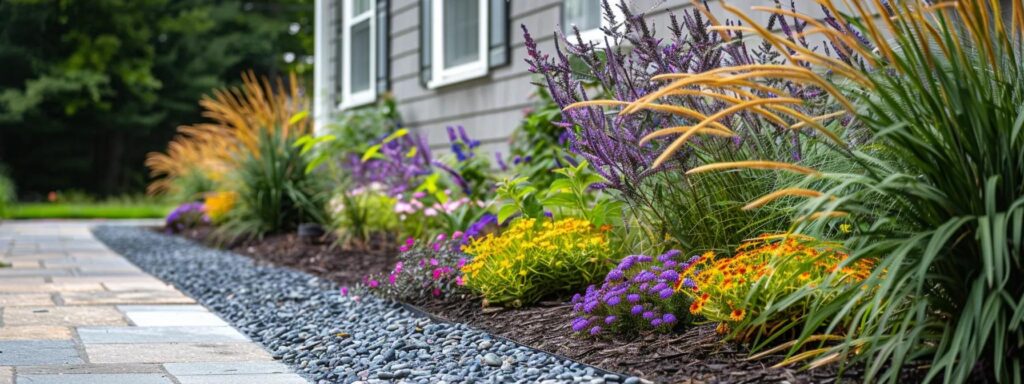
(218, 204)
(425, 270)
(534, 259)
(186, 216)
(360, 213)
(732, 291)
(275, 193)
(6, 191)
(642, 292)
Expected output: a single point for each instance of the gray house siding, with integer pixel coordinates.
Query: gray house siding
(492, 106)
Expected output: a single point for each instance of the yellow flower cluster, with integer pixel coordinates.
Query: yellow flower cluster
(218, 204)
(731, 290)
(530, 260)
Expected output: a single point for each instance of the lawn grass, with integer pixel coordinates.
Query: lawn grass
(87, 211)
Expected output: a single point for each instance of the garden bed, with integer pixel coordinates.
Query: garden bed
(305, 322)
(695, 354)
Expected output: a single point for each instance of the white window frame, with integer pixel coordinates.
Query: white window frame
(349, 20)
(595, 35)
(442, 76)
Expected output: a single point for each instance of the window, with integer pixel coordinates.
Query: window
(588, 16)
(359, 53)
(460, 39)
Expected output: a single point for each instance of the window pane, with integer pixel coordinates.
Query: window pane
(360, 57)
(461, 32)
(360, 6)
(584, 14)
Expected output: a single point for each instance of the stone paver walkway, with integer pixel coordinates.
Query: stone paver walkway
(74, 312)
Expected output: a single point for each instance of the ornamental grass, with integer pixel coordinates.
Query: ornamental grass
(936, 194)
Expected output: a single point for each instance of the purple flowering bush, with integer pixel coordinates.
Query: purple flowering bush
(641, 293)
(426, 270)
(701, 212)
(186, 216)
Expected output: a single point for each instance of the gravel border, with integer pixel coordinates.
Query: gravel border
(304, 321)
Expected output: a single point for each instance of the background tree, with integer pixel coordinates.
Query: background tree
(89, 87)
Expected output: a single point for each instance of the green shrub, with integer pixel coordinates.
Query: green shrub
(274, 193)
(362, 213)
(7, 195)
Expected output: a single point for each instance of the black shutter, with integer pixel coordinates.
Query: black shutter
(425, 39)
(498, 47)
(383, 45)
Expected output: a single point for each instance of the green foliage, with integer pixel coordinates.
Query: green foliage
(571, 194)
(537, 147)
(949, 237)
(361, 214)
(97, 210)
(7, 195)
(89, 87)
(275, 193)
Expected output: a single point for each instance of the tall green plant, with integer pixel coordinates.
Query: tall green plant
(274, 192)
(937, 196)
(6, 191)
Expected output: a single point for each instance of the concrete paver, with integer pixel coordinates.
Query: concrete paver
(74, 312)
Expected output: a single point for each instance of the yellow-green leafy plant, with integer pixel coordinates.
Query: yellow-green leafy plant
(533, 259)
(938, 92)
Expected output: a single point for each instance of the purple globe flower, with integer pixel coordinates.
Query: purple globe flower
(656, 322)
(595, 330)
(666, 293)
(668, 318)
(614, 275)
(590, 306)
(614, 300)
(649, 315)
(637, 309)
(610, 319)
(668, 256)
(633, 297)
(644, 277)
(670, 275)
(580, 323)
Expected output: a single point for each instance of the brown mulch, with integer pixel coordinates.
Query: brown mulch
(690, 355)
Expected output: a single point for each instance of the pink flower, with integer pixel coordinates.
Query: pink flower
(436, 292)
(344, 291)
(404, 248)
(433, 261)
(458, 280)
(398, 267)
(374, 283)
(457, 235)
(437, 273)
(462, 262)
(419, 195)
(440, 237)
(430, 212)
(410, 241)
(391, 279)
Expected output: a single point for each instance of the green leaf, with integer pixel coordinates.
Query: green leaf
(506, 211)
(298, 117)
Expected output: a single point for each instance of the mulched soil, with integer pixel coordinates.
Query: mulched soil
(691, 355)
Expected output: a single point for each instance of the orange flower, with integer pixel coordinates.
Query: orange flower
(737, 314)
(695, 307)
(805, 276)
